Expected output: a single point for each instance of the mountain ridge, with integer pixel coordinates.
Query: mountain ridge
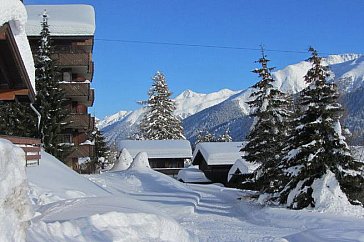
(227, 109)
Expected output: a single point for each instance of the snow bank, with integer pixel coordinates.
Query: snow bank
(111, 218)
(53, 181)
(112, 226)
(329, 197)
(15, 209)
(140, 162)
(192, 174)
(123, 162)
(14, 12)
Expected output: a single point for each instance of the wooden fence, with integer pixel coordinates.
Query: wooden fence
(31, 147)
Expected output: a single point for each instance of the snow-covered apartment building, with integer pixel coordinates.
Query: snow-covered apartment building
(72, 30)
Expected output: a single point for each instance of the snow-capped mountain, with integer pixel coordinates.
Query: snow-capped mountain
(227, 109)
(346, 70)
(123, 124)
(108, 120)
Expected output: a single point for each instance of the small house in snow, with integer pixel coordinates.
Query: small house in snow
(241, 170)
(166, 156)
(216, 158)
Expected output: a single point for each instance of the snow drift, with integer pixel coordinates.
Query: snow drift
(123, 162)
(15, 208)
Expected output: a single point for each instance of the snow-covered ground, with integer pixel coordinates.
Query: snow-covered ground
(139, 204)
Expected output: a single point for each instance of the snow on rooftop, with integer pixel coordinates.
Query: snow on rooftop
(158, 148)
(245, 167)
(63, 20)
(192, 174)
(14, 13)
(219, 153)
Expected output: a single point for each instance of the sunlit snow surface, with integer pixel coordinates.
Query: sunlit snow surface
(144, 205)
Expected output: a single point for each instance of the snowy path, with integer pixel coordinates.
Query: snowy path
(144, 205)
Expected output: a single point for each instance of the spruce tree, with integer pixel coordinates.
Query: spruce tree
(159, 122)
(101, 149)
(225, 137)
(267, 135)
(317, 147)
(50, 99)
(17, 119)
(205, 136)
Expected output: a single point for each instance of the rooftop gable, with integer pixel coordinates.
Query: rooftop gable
(63, 20)
(13, 17)
(219, 153)
(158, 148)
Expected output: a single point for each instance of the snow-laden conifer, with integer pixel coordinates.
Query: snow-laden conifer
(50, 100)
(205, 136)
(159, 121)
(268, 132)
(102, 151)
(317, 147)
(225, 137)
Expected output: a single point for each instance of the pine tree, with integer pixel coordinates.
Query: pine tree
(270, 111)
(17, 119)
(316, 147)
(225, 137)
(159, 122)
(205, 136)
(50, 99)
(101, 149)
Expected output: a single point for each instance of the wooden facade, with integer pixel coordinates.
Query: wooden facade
(15, 85)
(73, 57)
(14, 80)
(216, 173)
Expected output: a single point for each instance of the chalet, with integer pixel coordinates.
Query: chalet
(241, 170)
(166, 156)
(216, 158)
(17, 73)
(72, 30)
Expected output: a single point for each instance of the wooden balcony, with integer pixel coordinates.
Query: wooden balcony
(80, 121)
(83, 151)
(73, 59)
(31, 147)
(80, 92)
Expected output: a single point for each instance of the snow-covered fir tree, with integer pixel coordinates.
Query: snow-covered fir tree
(205, 136)
(159, 121)
(17, 119)
(225, 137)
(101, 149)
(317, 148)
(270, 109)
(50, 100)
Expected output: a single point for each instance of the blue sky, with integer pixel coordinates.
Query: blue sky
(123, 71)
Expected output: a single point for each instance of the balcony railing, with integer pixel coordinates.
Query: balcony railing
(31, 147)
(83, 151)
(73, 59)
(80, 92)
(80, 121)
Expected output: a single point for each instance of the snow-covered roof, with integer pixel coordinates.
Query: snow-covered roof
(219, 153)
(244, 167)
(192, 174)
(158, 148)
(14, 13)
(63, 20)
